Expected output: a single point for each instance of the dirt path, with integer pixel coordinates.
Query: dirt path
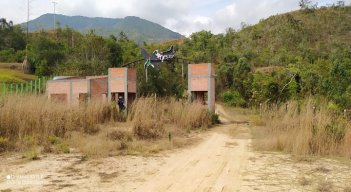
(223, 161)
(214, 165)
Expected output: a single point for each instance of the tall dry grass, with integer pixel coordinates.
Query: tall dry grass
(23, 117)
(30, 122)
(305, 129)
(149, 116)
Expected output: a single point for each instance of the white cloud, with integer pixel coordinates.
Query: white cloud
(184, 16)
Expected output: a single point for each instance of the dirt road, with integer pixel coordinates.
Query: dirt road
(214, 165)
(223, 161)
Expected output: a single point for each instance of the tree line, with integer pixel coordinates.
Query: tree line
(289, 56)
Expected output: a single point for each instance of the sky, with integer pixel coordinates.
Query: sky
(183, 16)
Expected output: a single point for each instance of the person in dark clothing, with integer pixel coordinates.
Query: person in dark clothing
(121, 103)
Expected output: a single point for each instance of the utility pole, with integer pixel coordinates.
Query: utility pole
(26, 68)
(55, 3)
(27, 29)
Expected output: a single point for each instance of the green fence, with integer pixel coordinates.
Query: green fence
(34, 87)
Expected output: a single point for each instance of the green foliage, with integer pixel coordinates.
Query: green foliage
(284, 57)
(62, 148)
(54, 140)
(233, 98)
(11, 41)
(214, 118)
(11, 36)
(32, 154)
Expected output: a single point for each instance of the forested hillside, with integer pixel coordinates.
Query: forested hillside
(289, 56)
(137, 29)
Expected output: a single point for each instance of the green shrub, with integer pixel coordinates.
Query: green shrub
(7, 55)
(214, 118)
(54, 140)
(33, 154)
(233, 98)
(62, 148)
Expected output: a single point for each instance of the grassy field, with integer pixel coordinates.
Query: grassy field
(11, 73)
(14, 76)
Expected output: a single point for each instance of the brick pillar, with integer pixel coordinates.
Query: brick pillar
(121, 81)
(201, 80)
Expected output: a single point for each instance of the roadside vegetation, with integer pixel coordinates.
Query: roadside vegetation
(33, 125)
(304, 128)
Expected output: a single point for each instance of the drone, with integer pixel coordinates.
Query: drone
(157, 57)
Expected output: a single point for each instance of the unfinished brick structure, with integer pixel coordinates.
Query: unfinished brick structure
(75, 90)
(201, 84)
(122, 83)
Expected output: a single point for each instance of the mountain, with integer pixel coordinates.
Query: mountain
(135, 28)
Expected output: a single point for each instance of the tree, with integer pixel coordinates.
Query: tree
(241, 77)
(304, 4)
(46, 54)
(11, 37)
(115, 52)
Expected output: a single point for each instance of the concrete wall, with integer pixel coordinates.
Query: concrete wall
(122, 81)
(98, 88)
(71, 88)
(132, 78)
(201, 80)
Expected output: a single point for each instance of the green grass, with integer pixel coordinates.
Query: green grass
(8, 76)
(14, 76)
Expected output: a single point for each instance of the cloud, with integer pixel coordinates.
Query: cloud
(184, 16)
(232, 15)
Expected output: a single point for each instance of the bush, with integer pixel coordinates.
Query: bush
(62, 148)
(7, 55)
(33, 154)
(54, 140)
(214, 118)
(233, 98)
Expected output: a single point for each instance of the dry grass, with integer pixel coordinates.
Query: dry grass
(149, 116)
(34, 124)
(325, 186)
(301, 129)
(37, 118)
